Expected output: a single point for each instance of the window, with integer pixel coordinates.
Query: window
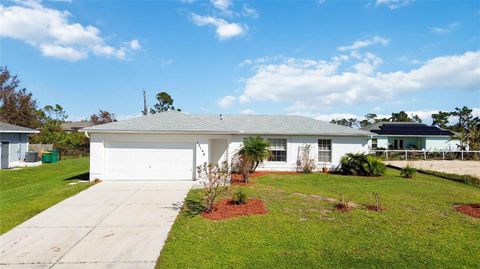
(374, 143)
(325, 150)
(278, 150)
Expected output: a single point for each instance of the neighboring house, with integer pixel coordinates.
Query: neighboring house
(74, 126)
(410, 135)
(169, 145)
(14, 144)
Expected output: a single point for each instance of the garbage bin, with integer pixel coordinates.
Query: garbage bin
(46, 157)
(55, 156)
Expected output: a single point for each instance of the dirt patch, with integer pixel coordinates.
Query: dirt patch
(375, 208)
(448, 166)
(472, 210)
(344, 207)
(228, 209)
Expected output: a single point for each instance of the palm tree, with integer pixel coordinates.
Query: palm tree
(253, 152)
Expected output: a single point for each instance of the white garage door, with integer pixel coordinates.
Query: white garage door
(149, 161)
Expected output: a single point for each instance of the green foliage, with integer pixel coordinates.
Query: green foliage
(254, 151)
(360, 164)
(193, 206)
(408, 172)
(164, 103)
(239, 197)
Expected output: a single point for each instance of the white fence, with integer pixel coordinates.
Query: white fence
(410, 154)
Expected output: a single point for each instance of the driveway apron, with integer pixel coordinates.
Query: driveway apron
(110, 225)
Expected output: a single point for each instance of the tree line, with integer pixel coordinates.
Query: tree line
(19, 107)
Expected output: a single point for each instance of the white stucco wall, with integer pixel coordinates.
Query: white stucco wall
(207, 148)
(340, 146)
(98, 140)
(441, 143)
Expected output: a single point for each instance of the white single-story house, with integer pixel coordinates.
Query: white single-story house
(14, 144)
(410, 135)
(169, 145)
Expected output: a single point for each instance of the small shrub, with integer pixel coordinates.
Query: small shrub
(408, 172)
(374, 166)
(214, 179)
(239, 197)
(193, 206)
(376, 203)
(360, 164)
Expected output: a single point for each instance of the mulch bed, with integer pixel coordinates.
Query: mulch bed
(344, 207)
(237, 179)
(374, 208)
(469, 209)
(226, 208)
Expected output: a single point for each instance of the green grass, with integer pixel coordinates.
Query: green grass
(419, 230)
(28, 191)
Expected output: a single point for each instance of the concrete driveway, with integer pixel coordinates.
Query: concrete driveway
(110, 225)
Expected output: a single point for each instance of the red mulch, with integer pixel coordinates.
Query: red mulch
(374, 208)
(469, 209)
(225, 209)
(237, 179)
(342, 207)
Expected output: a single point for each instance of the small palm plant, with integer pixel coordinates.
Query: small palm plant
(253, 152)
(408, 172)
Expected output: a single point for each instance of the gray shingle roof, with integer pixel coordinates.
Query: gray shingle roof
(170, 121)
(173, 121)
(11, 128)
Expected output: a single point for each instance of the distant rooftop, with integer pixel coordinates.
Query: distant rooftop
(173, 121)
(75, 125)
(11, 128)
(406, 128)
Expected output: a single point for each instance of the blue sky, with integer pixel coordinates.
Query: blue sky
(317, 58)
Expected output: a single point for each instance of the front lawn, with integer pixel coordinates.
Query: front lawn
(419, 230)
(28, 191)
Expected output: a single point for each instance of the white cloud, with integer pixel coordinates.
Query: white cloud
(317, 83)
(445, 30)
(365, 43)
(249, 12)
(248, 112)
(224, 29)
(393, 4)
(52, 32)
(222, 5)
(227, 101)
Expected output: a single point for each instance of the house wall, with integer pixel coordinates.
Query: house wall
(340, 146)
(441, 143)
(18, 146)
(209, 148)
(98, 140)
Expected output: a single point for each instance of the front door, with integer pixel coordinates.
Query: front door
(5, 158)
(398, 144)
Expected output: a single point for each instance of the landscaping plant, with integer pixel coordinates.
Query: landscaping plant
(408, 172)
(360, 164)
(254, 151)
(307, 162)
(239, 197)
(214, 179)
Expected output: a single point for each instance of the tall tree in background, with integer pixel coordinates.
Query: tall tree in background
(164, 103)
(440, 119)
(464, 118)
(102, 117)
(17, 106)
(402, 116)
(352, 122)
